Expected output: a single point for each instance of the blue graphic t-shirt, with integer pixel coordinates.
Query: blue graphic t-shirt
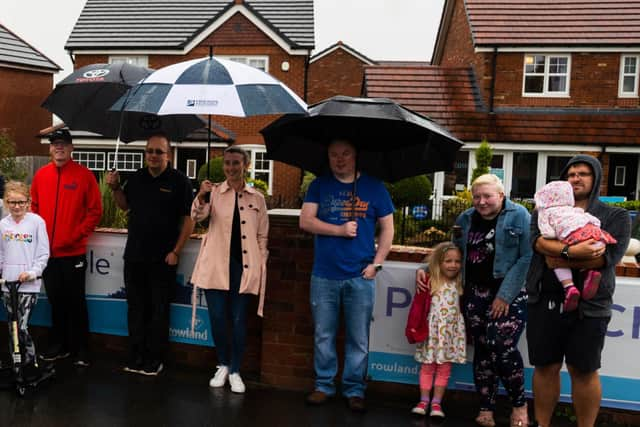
(340, 258)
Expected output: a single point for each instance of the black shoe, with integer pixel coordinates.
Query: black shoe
(135, 365)
(55, 353)
(31, 373)
(152, 369)
(356, 404)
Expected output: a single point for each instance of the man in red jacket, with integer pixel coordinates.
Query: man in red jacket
(67, 196)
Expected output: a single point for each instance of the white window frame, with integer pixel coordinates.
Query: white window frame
(193, 165)
(545, 92)
(140, 60)
(620, 176)
(82, 157)
(246, 59)
(623, 74)
(253, 149)
(133, 160)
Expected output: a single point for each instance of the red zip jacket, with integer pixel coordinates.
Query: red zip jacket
(69, 201)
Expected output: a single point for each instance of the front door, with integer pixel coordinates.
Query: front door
(623, 176)
(189, 162)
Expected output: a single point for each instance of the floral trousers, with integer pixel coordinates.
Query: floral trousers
(496, 356)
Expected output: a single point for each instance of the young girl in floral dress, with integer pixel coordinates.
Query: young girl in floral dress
(446, 342)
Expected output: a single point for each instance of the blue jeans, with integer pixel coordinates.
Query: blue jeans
(220, 304)
(357, 297)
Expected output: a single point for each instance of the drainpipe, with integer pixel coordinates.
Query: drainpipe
(306, 76)
(73, 60)
(493, 80)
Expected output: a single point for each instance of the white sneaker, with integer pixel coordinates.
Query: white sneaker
(220, 377)
(237, 386)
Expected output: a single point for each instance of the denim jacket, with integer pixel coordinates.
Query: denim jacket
(513, 249)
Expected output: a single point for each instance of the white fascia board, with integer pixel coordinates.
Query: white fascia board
(254, 20)
(563, 49)
(501, 146)
(110, 143)
(346, 49)
(27, 68)
(622, 149)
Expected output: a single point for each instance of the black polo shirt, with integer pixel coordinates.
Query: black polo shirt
(156, 208)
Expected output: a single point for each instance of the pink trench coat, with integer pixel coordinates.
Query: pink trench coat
(211, 270)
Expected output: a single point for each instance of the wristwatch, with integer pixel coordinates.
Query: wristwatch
(565, 252)
(378, 267)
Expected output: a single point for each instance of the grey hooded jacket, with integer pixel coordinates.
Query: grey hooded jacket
(614, 220)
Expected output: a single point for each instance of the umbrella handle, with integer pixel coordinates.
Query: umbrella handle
(114, 165)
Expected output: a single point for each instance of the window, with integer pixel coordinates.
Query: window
(555, 164)
(192, 169)
(141, 60)
(546, 75)
(261, 168)
(128, 162)
(621, 172)
(461, 169)
(523, 181)
(259, 62)
(92, 160)
(628, 85)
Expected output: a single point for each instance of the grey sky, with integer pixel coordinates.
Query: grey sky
(379, 29)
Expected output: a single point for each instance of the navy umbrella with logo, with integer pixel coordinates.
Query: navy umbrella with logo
(211, 86)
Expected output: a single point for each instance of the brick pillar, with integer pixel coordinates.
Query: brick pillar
(287, 336)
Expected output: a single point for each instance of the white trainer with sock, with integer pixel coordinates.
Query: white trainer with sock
(220, 377)
(237, 385)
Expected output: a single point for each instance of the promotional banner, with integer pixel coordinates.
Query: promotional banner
(106, 298)
(391, 356)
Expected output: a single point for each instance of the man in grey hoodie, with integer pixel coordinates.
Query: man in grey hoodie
(576, 337)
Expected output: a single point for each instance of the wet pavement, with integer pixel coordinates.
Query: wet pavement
(103, 395)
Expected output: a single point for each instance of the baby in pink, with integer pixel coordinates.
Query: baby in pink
(559, 219)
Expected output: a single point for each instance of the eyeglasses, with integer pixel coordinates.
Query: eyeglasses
(156, 151)
(579, 174)
(17, 202)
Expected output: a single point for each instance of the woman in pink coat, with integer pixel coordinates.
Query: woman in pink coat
(232, 261)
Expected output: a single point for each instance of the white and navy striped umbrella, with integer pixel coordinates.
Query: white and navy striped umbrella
(212, 86)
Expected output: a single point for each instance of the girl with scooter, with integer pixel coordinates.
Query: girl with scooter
(24, 251)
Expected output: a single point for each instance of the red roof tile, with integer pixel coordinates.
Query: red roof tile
(555, 22)
(448, 96)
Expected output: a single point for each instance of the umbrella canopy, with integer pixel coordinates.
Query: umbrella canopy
(84, 96)
(82, 100)
(393, 142)
(213, 86)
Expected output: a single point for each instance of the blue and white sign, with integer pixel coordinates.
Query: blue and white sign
(420, 212)
(391, 356)
(106, 298)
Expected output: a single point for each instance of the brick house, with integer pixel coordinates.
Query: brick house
(336, 70)
(276, 36)
(26, 78)
(539, 83)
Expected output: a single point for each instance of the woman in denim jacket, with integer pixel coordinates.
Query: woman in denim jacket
(494, 240)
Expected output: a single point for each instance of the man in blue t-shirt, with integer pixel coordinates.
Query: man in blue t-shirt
(344, 268)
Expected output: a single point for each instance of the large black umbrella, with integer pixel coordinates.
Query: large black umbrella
(393, 142)
(83, 99)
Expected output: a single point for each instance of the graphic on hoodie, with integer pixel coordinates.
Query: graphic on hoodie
(481, 245)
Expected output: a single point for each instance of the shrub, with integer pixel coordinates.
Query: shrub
(484, 154)
(9, 166)
(410, 191)
(215, 170)
(112, 215)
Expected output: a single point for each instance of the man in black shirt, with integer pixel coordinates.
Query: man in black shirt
(158, 199)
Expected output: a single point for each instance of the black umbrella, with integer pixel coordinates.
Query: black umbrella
(84, 96)
(393, 142)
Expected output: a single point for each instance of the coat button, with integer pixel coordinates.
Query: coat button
(250, 206)
(241, 208)
(246, 266)
(239, 196)
(243, 222)
(244, 237)
(244, 251)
